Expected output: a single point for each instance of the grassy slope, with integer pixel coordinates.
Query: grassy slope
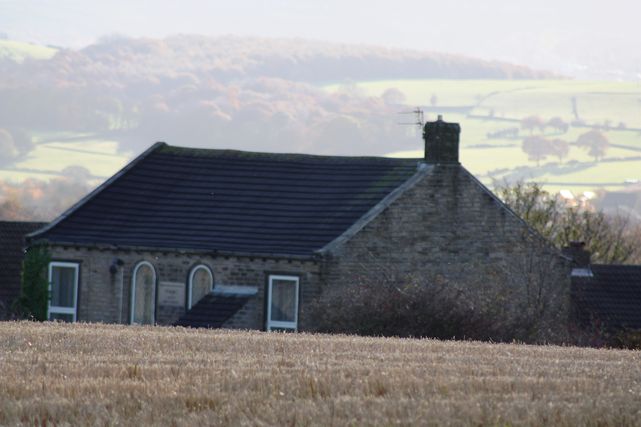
(597, 102)
(56, 151)
(19, 51)
(95, 374)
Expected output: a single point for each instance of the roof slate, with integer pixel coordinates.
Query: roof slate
(12, 234)
(612, 296)
(226, 200)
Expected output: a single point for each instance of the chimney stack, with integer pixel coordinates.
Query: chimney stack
(441, 141)
(576, 251)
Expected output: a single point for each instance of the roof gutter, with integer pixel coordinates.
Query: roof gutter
(212, 252)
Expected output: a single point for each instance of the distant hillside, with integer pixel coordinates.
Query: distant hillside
(301, 60)
(198, 90)
(227, 92)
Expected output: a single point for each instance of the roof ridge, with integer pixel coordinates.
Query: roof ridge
(176, 149)
(96, 191)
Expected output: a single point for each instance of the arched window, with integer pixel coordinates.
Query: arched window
(201, 282)
(143, 294)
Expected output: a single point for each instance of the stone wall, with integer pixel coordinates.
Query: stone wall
(449, 226)
(106, 297)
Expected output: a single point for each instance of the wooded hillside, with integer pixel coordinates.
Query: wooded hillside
(235, 92)
(230, 92)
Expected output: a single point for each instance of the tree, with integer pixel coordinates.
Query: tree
(595, 142)
(537, 148)
(559, 124)
(393, 97)
(610, 239)
(34, 297)
(560, 148)
(532, 122)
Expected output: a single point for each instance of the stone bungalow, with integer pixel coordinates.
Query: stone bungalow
(223, 238)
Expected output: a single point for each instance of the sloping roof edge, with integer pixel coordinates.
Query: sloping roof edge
(377, 209)
(95, 192)
(509, 210)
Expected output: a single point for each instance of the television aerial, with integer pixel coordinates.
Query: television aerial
(418, 115)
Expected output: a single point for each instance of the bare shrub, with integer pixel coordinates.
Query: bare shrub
(627, 338)
(517, 301)
(400, 306)
(611, 239)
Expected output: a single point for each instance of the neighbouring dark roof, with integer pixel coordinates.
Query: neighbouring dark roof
(612, 296)
(12, 234)
(212, 311)
(225, 200)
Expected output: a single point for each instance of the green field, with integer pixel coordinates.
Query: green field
(485, 106)
(56, 151)
(19, 51)
(597, 101)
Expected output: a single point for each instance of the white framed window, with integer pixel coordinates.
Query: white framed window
(282, 302)
(201, 283)
(63, 291)
(143, 294)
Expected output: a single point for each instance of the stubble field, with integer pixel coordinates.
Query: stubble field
(56, 374)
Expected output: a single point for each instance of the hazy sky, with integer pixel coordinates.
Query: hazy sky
(586, 38)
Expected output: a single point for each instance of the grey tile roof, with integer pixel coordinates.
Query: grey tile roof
(12, 243)
(612, 296)
(226, 200)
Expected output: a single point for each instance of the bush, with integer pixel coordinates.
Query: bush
(34, 299)
(627, 338)
(499, 309)
(403, 308)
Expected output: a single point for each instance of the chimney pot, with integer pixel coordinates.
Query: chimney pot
(441, 141)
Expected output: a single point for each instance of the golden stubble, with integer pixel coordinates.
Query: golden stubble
(92, 374)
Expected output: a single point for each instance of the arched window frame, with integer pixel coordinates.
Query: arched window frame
(190, 282)
(132, 301)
